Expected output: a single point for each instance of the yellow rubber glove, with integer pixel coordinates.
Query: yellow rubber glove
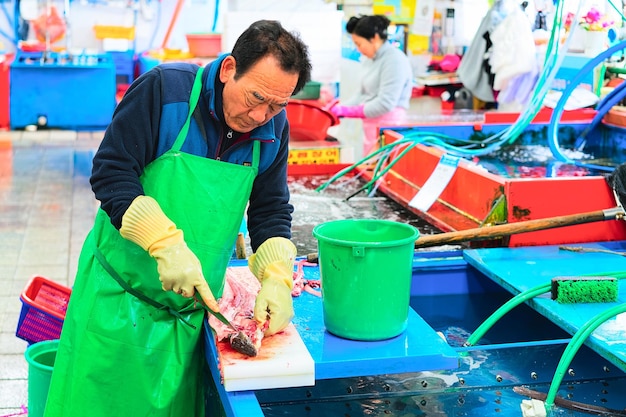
(145, 224)
(272, 264)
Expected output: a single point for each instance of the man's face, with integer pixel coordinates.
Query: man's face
(257, 96)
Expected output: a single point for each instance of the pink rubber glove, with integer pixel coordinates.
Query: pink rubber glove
(348, 111)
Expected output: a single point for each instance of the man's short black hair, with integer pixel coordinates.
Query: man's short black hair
(268, 37)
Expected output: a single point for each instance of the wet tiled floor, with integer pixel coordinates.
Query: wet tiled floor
(46, 209)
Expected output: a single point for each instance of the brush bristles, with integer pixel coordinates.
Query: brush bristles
(598, 289)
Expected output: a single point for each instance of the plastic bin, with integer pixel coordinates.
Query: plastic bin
(366, 267)
(44, 303)
(204, 44)
(311, 91)
(308, 121)
(4, 90)
(40, 357)
(124, 66)
(114, 32)
(75, 93)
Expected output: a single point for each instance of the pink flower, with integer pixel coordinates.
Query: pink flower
(592, 16)
(595, 21)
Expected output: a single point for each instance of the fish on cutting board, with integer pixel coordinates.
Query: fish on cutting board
(237, 305)
(276, 361)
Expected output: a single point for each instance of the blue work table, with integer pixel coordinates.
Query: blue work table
(418, 348)
(522, 268)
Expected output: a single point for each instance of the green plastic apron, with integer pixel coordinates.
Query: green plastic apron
(128, 348)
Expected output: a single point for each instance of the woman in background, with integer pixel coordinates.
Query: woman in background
(386, 78)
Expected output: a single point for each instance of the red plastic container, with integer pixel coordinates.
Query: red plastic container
(204, 44)
(44, 303)
(308, 121)
(4, 91)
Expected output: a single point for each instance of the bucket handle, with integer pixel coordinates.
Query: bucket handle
(358, 251)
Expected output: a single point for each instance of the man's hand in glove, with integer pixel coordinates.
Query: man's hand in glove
(272, 264)
(145, 224)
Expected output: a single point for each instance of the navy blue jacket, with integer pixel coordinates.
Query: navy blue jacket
(145, 125)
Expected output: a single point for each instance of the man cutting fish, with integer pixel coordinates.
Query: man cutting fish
(187, 150)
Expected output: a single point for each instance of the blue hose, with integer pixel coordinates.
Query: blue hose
(215, 15)
(606, 104)
(11, 22)
(469, 148)
(156, 29)
(558, 109)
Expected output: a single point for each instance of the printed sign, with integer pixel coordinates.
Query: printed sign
(436, 183)
(314, 156)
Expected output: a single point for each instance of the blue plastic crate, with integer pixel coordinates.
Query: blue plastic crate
(570, 67)
(124, 66)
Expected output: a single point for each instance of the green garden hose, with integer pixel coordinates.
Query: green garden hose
(572, 348)
(519, 299)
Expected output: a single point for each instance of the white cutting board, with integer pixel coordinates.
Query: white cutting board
(283, 361)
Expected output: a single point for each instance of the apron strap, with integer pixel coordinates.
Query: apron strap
(138, 294)
(193, 102)
(197, 115)
(256, 154)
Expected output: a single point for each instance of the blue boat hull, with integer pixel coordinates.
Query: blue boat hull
(453, 293)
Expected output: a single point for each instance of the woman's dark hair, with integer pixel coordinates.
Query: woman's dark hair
(268, 37)
(368, 26)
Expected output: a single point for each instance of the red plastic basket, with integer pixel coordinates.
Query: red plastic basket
(44, 303)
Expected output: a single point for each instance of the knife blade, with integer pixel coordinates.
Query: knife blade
(238, 340)
(220, 317)
(217, 315)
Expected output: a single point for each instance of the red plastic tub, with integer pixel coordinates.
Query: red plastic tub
(308, 121)
(4, 90)
(204, 44)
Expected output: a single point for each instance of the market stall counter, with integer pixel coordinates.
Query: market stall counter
(418, 348)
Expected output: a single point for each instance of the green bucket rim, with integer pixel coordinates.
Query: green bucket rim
(350, 243)
(39, 348)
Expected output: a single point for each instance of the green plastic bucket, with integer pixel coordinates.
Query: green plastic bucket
(366, 268)
(40, 357)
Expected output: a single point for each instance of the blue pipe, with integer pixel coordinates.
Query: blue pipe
(7, 36)
(558, 110)
(10, 20)
(156, 29)
(215, 15)
(602, 108)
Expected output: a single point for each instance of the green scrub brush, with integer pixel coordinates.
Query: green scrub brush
(584, 289)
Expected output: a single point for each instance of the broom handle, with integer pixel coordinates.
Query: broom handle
(493, 232)
(501, 230)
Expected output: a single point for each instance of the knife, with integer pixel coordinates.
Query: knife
(238, 339)
(217, 315)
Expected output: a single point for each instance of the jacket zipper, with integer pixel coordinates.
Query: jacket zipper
(239, 143)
